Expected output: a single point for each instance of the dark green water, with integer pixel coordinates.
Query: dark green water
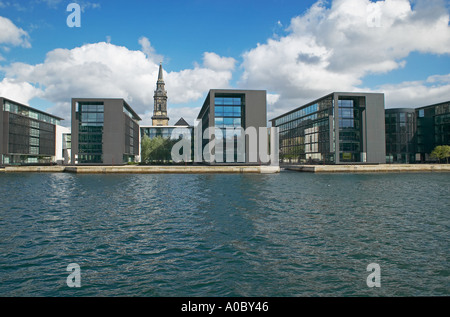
(290, 234)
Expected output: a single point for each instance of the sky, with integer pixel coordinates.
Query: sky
(297, 51)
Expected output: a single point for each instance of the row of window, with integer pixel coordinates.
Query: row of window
(298, 122)
(227, 101)
(345, 103)
(296, 150)
(90, 148)
(25, 159)
(92, 117)
(90, 107)
(30, 113)
(228, 122)
(322, 105)
(90, 158)
(348, 113)
(349, 123)
(228, 111)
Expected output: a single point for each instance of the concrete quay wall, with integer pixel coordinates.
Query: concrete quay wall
(381, 168)
(173, 169)
(138, 169)
(34, 169)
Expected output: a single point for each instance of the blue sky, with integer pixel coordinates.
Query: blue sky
(296, 50)
(181, 30)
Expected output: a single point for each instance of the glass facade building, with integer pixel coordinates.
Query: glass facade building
(104, 131)
(433, 129)
(27, 135)
(336, 129)
(304, 134)
(400, 135)
(413, 133)
(228, 113)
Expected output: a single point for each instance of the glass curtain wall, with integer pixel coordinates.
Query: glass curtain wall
(400, 136)
(442, 125)
(228, 114)
(30, 141)
(305, 133)
(349, 130)
(90, 133)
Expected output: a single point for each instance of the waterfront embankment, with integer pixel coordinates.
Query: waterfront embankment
(199, 169)
(379, 168)
(141, 169)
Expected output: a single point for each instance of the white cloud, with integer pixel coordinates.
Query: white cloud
(147, 48)
(216, 62)
(415, 94)
(192, 84)
(10, 34)
(272, 98)
(332, 48)
(104, 70)
(21, 92)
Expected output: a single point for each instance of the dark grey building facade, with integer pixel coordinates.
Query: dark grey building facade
(104, 131)
(339, 128)
(27, 135)
(226, 109)
(433, 129)
(400, 135)
(413, 133)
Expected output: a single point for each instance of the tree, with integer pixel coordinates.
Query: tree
(441, 152)
(145, 149)
(156, 150)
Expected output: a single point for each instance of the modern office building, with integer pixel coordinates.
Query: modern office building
(227, 109)
(27, 135)
(104, 131)
(400, 135)
(339, 128)
(433, 129)
(412, 134)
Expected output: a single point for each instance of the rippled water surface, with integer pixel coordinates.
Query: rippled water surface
(289, 234)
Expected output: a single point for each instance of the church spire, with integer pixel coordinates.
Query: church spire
(160, 117)
(160, 74)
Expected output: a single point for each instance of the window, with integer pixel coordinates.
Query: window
(421, 113)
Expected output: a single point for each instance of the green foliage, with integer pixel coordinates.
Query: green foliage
(441, 152)
(156, 150)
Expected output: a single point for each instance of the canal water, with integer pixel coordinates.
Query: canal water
(288, 234)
